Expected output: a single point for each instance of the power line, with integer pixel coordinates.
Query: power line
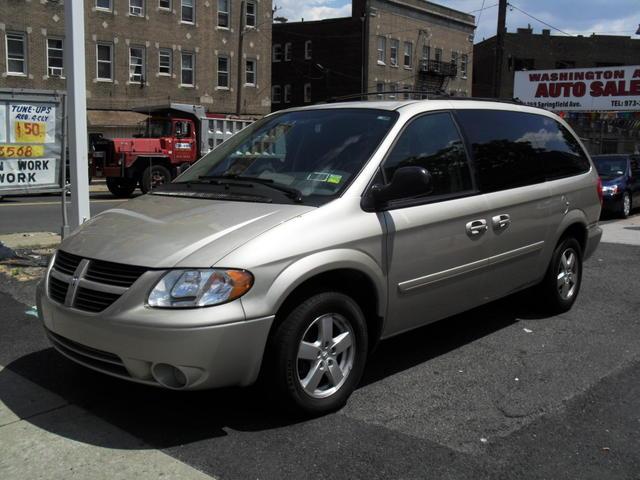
(538, 20)
(480, 13)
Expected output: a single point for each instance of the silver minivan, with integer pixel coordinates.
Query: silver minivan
(290, 250)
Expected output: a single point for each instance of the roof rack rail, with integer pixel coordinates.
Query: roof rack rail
(422, 94)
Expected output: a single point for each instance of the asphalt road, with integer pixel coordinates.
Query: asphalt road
(502, 391)
(43, 213)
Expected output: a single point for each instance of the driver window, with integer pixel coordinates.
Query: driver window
(432, 141)
(183, 129)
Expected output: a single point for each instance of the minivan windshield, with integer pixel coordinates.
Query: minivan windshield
(306, 156)
(610, 167)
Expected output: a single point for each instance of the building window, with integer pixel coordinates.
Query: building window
(307, 93)
(287, 94)
(103, 5)
(277, 53)
(104, 61)
(382, 50)
(187, 13)
(307, 50)
(380, 90)
(276, 94)
(250, 18)
(405, 94)
(223, 71)
(136, 8)
(454, 61)
(136, 64)
(408, 54)
(187, 68)
(223, 13)
(426, 52)
(16, 53)
(250, 73)
(55, 64)
(393, 52)
(464, 61)
(438, 59)
(164, 61)
(392, 91)
(287, 52)
(164, 4)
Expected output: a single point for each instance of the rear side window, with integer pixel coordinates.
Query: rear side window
(432, 141)
(513, 149)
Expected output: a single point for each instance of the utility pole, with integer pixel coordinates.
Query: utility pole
(499, 60)
(240, 59)
(77, 111)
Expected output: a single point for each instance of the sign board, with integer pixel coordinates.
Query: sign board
(30, 141)
(580, 89)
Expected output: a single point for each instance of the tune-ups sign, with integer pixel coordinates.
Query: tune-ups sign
(597, 88)
(30, 141)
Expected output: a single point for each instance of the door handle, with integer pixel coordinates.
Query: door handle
(500, 222)
(476, 227)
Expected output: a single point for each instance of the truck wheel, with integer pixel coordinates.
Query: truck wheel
(153, 177)
(318, 353)
(121, 187)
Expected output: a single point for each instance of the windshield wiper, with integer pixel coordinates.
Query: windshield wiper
(291, 192)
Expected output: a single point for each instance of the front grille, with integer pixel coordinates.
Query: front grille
(93, 357)
(113, 273)
(66, 263)
(99, 284)
(58, 289)
(93, 300)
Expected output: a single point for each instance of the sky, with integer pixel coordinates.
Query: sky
(576, 17)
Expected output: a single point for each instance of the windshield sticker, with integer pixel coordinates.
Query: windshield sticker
(324, 177)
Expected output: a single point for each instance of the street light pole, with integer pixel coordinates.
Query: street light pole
(499, 59)
(77, 111)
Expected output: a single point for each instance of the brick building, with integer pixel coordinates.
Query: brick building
(602, 132)
(525, 50)
(386, 45)
(144, 52)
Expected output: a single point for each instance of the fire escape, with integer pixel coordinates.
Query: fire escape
(434, 75)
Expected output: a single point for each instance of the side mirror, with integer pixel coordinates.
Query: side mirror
(406, 182)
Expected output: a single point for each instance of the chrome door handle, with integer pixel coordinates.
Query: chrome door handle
(476, 227)
(500, 222)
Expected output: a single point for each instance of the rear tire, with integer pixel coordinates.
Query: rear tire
(121, 187)
(561, 285)
(153, 177)
(318, 353)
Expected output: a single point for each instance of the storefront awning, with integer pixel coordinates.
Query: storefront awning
(113, 118)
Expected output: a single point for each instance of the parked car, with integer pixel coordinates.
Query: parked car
(620, 176)
(299, 243)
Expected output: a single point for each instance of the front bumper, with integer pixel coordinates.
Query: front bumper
(612, 203)
(224, 352)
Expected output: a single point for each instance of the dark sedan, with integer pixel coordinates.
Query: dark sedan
(620, 175)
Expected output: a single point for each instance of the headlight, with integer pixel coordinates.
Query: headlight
(613, 189)
(199, 288)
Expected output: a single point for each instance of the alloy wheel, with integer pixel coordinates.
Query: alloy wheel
(325, 355)
(567, 279)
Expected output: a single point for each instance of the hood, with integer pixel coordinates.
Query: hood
(162, 232)
(608, 181)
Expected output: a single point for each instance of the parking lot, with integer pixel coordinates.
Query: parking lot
(502, 391)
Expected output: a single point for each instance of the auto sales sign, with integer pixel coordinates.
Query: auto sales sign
(580, 89)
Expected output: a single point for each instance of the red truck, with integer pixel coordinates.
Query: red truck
(175, 136)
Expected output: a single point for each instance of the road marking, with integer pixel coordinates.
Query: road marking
(31, 204)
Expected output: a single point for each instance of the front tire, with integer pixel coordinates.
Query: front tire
(153, 177)
(121, 187)
(561, 284)
(625, 208)
(318, 353)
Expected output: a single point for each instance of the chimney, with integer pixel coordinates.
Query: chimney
(525, 31)
(546, 32)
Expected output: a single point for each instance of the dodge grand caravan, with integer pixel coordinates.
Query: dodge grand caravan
(292, 248)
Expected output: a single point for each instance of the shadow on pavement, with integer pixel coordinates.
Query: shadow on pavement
(163, 418)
